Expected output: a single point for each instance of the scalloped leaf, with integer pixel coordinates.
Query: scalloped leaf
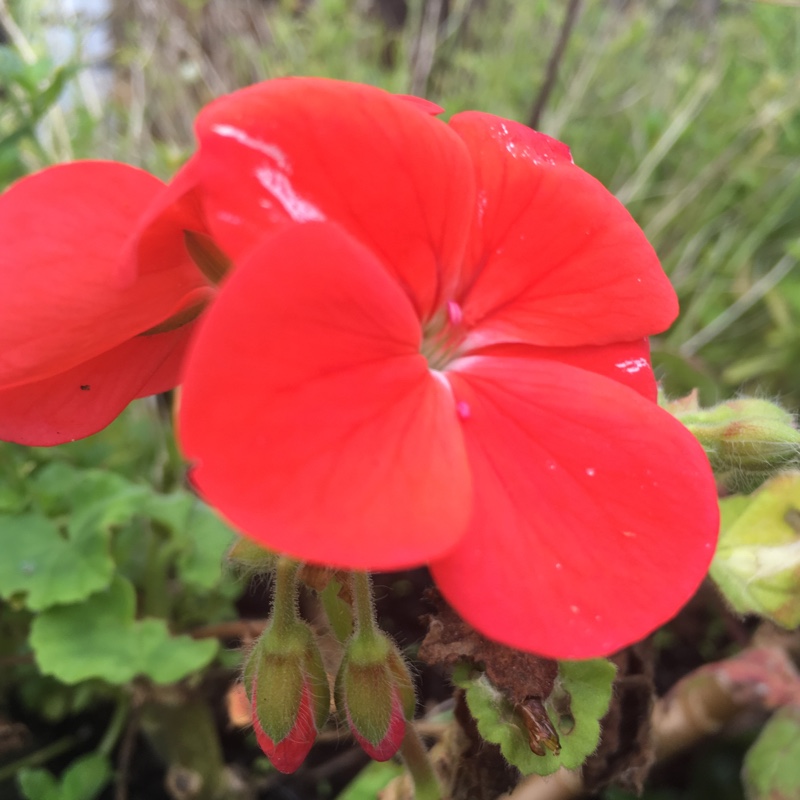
(100, 638)
(579, 700)
(772, 765)
(50, 568)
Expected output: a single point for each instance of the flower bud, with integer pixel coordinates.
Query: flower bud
(376, 694)
(250, 557)
(745, 440)
(289, 694)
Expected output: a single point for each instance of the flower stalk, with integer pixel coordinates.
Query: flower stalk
(419, 766)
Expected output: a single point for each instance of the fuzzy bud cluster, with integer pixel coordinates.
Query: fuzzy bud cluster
(746, 440)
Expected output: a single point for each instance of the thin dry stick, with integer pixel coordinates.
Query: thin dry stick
(570, 18)
(425, 50)
(126, 748)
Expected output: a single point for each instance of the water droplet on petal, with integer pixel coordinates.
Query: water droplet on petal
(463, 410)
(590, 471)
(574, 609)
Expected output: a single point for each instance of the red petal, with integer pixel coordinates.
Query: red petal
(556, 258)
(624, 362)
(317, 426)
(157, 239)
(86, 398)
(291, 751)
(307, 149)
(61, 298)
(595, 512)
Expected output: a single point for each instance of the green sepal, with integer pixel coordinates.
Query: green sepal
(372, 672)
(278, 667)
(250, 557)
(579, 700)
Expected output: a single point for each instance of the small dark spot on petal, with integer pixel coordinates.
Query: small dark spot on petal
(85, 387)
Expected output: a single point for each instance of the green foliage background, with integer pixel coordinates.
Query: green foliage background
(688, 111)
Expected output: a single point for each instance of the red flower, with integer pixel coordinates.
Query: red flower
(79, 340)
(432, 350)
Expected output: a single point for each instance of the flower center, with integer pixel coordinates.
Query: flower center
(443, 336)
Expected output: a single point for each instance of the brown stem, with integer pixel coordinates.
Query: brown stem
(570, 18)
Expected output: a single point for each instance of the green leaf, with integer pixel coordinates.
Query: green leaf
(370, 781)
(38, 784)
(575, 707)
(757, 563)
(50, 568)
(100, 638)
(86, 777)
(772, 765)
(83, 780)
(202, 537)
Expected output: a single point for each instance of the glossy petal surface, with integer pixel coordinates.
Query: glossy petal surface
(304, 149)
(554, 258)
(86, 398)
(593, 518)
(315, 423)
(62, 301)
(625, 362)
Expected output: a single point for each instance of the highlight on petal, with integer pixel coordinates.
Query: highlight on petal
(314, 422)
(625, 362)
(555, 258)
(86, 398)
(593, 518)
(62, 300)
(308, 149)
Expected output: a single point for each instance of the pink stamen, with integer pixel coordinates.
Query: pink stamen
(454, 312)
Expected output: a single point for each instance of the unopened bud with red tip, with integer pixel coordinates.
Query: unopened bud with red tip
(375, 691)
(289, 694)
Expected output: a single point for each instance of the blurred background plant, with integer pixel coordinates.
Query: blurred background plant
(689, 110)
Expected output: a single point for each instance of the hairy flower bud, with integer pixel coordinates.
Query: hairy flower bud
(746, 440)
(289, 694)
(250, 557)
(375, 691)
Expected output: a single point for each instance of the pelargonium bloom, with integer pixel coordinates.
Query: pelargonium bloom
(78, 339)
(433, 350)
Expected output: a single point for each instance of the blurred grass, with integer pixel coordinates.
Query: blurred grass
(689, 111)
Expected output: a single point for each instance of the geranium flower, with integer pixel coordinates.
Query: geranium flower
(78, 339)
(432, 351)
